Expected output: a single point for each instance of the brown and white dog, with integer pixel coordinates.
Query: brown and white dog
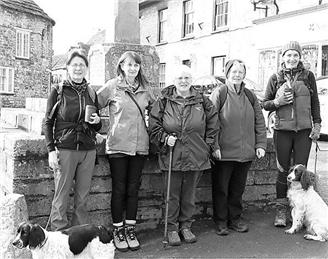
(308, 208)
(84, 241)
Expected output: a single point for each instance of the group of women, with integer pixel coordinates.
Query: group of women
(189, 129)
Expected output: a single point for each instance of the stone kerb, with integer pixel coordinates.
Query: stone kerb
(24, 170)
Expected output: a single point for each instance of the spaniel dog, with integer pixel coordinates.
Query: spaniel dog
(84, 241)
(308, 208)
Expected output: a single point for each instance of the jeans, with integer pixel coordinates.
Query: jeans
(126, 174)
(228, 185)
(290, 144)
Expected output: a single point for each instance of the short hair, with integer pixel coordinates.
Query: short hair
(77, 52)
(179, 69)
(136, 57)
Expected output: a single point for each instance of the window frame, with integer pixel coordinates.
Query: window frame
(9, 71)
(162, 74)
(224, 59)
(23, 47)
(217, 27)
(162, 26)
(187, 15)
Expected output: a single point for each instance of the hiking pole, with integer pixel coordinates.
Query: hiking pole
(316, 157)
(165, 241)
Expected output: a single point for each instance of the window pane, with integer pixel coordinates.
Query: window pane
(25, 54)
(188, 18)
(162, 75)
(2, 79)
(221, 14)
(10, 80)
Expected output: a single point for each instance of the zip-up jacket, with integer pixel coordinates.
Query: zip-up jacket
(242, 126)
(66, 129)
(305, 109)
(127, 133)
(193, 120)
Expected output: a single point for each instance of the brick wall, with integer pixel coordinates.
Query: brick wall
(24, 170)
(30, 76)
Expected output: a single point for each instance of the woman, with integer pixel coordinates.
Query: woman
(127, 144)
(71, 141)
(242, 136)
(292, 94)
(186, 120)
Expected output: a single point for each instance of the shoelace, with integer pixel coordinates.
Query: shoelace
(131, 233)
(119, 234)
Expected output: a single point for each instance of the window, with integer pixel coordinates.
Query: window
(218, 65)
(268, 65)
(162, 27)
(188, 18)
(324, 61)
(186, 62)
(220, 14)
(22, 43)
(6, 80)
(162, 75)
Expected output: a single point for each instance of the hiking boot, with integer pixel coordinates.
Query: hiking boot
(238, 225)
(222, 229)
(281, 217)
(188, 236)
(173, 238)
(131, 237)
(120, 240)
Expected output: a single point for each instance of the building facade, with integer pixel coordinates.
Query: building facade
(25, 52)
(205, 34)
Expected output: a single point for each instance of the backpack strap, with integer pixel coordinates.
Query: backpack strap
(59, 89)
(250, 96)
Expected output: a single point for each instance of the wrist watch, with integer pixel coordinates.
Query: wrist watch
(276, 103)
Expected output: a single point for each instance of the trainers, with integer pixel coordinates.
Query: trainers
(120, 240)
(281, 217)
(188, 236)
(238, 225)
(173, 238)
(131, 237)
(222, 229)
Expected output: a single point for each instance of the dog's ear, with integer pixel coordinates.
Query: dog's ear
(36, 236)
(307, 179)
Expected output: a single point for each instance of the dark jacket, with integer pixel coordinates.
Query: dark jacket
(67, 129)
(242, 126)
(305, 108)
(193, 120)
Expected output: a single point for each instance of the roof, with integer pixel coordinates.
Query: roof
(58, 62)
(97, 38)
(27, 6)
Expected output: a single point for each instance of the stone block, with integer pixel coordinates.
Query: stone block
(154, 182)
(38, 205)
(42, 187)
(101, 184)
(99, 201)
(259, 193)
(265, 177)
(32, 168)
(13, 211)
(260, 164)
(102, 168)
(101, 217)
(149, 212)
(36, 104)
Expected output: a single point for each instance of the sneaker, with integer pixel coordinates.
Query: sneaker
(238, 225)
(281, 217)
(173, 238)
(131, 237)
(120, 240)
(188, 236)
(222, 229)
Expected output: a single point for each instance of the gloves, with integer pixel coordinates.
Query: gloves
(217, 154)
(284, 99)
(315, 133)
(260, 152)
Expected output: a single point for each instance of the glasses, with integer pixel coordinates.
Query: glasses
(78, 65)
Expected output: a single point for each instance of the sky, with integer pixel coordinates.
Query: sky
(76, 20)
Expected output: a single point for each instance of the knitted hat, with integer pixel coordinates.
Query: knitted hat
(229, 65)
(294, 45)
(77, 53)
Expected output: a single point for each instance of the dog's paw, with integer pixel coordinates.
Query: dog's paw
(290, 231)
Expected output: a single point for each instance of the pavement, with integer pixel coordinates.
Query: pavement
(262, 241)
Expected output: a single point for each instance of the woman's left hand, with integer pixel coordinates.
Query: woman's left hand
(260, 152)
(94, 118)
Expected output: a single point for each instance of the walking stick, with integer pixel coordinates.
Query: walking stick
(165, 241)
(316, 157)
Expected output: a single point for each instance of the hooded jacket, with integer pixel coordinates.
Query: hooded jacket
(193, 120)
(67, 129)
(242, 126)
(127, 133)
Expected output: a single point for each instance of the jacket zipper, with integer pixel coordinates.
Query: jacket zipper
(80, 112)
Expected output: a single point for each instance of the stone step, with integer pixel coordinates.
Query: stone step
(36, 104)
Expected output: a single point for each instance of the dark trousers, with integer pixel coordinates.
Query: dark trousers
(228, 185)
(290, 144)
(182, 198)
(126, 174)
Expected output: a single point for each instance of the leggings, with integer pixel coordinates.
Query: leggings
(126, 173)
(290, 144)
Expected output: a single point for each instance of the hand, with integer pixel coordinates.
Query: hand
(171, 141)
(53, 160)
(286, 98)
(260, 152)
(217, 154)
(94, 118)
(315, 133)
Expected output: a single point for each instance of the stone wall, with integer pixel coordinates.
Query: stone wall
(30, 76)
(24, 170)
